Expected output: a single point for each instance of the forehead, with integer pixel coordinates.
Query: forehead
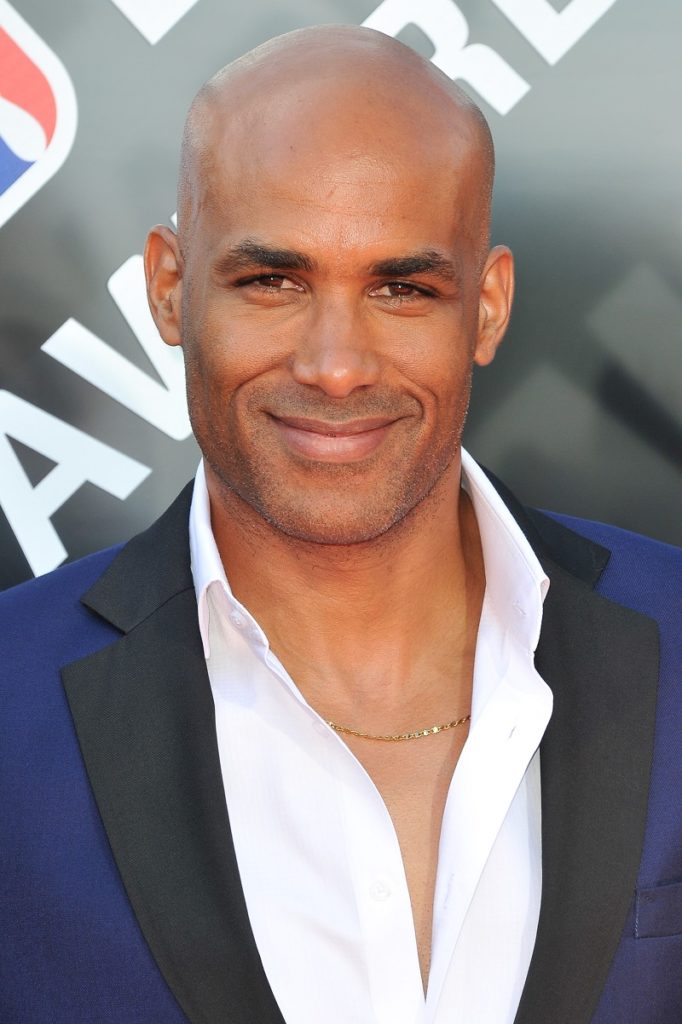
(333, 214)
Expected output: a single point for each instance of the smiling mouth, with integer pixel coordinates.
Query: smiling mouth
(325, 441)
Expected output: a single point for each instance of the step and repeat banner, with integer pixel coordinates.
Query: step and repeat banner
(582, 410)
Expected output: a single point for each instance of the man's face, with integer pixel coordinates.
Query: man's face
(330, 316)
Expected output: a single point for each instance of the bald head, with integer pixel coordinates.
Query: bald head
(335, 90)
(332, 267)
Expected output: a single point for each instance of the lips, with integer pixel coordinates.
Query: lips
(326, 441)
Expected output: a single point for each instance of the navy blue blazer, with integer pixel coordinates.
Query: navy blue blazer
(121, 901)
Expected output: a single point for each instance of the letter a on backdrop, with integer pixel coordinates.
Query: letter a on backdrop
(78, 459)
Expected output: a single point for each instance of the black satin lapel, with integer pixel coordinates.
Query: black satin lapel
(601, 662)
(145, 721)
(151, 569)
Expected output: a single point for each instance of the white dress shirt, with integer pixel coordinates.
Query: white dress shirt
(318, 855)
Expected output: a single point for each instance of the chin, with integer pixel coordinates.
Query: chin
(333, 525)
(331, 534)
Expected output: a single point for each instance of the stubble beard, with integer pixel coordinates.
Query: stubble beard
(335, 509)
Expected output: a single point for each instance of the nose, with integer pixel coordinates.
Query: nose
(336, 352)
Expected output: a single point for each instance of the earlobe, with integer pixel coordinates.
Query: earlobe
(495, 302)
(163, 271)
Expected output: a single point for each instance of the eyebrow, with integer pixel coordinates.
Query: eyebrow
(251, 253)
(427, 261)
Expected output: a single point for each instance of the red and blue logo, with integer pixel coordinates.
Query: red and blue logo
(38, 113)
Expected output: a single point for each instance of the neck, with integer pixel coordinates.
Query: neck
(370, 622)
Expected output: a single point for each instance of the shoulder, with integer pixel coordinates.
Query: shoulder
(45, 621)
(44, 618)
(61, 584)
(642, 573)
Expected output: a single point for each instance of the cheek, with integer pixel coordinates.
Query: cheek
(443, 374)
(235, 340)
(220, 355)
(439, 357)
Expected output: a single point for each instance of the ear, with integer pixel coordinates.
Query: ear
(495, 301)
(163, 270)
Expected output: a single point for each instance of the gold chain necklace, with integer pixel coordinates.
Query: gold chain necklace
(401, 735)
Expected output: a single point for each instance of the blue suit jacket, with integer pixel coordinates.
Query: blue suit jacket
(121, 901)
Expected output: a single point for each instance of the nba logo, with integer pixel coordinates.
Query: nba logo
(37, 112)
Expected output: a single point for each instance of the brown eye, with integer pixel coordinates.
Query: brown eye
(399, 290)
(270, 282)
(277, 282)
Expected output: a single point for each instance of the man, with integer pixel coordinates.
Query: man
(431, 734)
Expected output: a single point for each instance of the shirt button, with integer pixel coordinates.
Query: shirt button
(237, 619)
(379, 891)
(254, 633)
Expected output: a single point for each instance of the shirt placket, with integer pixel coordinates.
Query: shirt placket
(382, 897)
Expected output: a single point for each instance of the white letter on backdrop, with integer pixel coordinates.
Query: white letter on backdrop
(79, 457)
(445, 25)
(73, 345)
(153, 18)
(553, 33)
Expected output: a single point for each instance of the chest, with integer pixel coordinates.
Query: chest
(413, 778)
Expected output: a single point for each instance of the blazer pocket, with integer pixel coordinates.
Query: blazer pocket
(658, 911)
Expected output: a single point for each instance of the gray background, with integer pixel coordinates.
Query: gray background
(581, 411)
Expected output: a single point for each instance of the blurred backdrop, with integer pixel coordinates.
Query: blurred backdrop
(581, 411)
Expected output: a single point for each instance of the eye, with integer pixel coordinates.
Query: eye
(400, 290)
(271, 283)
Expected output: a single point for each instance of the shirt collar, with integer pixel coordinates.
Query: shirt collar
(516, 584)
(207, 567)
